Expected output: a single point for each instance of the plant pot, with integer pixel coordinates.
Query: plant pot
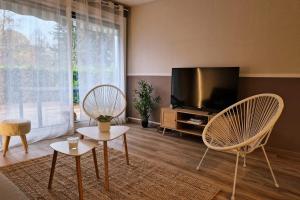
(104, 127)
(145, 123)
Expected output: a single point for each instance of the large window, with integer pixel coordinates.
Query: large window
(96, 59)
(49, 60)
(33, 69)
(99, 47)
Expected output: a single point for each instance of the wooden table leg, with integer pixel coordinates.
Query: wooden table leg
(52, 169)
(106, 176)
(5, 142)
(126, 149)
(24, 141)
(79, 179)
(95, 163)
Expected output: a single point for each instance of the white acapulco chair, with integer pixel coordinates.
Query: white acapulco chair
(243, 127)
(104, 100)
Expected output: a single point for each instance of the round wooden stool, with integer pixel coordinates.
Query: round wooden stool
(14, 127)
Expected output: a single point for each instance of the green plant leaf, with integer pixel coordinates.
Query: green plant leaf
(143, 100)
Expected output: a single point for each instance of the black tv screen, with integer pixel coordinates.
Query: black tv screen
(206, 88)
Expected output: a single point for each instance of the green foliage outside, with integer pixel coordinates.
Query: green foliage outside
(76, 98)
(143, 101)
(22, 50)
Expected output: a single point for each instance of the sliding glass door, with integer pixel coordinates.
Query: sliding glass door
(43, 46)
(35, 68)
(100, 42)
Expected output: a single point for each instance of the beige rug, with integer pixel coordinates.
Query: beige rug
(140, 180)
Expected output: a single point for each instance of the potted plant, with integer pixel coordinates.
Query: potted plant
(144, 102)
(104, 123)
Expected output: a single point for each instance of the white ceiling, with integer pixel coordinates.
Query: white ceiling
(134, 2)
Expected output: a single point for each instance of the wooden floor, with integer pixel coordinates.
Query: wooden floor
(184, 152)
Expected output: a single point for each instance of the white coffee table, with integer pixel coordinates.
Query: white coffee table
(115, 132)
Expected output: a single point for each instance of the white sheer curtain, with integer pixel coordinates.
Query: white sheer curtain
(100, 48)
(36, 40)
(35, 67)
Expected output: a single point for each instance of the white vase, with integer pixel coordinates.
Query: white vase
(104, 127)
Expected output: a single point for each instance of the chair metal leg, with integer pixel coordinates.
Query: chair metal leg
(244, 165)
(198, 167)
(164, 131)
(271, 170)
(235, 175)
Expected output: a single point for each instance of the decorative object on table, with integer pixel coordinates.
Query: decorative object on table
(104, 123)
(195, 121)
(83, 146)
(142, 179)
(144, 102)
(14, 127)
(104, 100)
(73, 142)
(244, 127)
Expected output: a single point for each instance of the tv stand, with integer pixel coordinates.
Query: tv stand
(174, 107)
(189, 121)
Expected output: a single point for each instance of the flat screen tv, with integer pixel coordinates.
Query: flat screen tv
(207, 88)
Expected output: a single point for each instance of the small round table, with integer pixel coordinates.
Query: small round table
(93, 132)
(84, 146)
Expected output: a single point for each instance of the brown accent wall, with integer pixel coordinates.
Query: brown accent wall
(286, 134)
(162, 87)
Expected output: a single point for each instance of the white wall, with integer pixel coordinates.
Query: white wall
(260, 36)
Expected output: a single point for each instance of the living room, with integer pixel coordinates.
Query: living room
(121, 99)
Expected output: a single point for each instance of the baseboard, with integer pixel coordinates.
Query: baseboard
(138, 120)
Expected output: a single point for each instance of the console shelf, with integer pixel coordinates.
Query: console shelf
(186, 121)
(190, 122)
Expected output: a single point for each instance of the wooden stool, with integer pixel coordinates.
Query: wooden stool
(84, 146)
(14, 127)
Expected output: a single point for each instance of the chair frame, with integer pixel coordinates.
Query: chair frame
(98, 86)
(262, 137)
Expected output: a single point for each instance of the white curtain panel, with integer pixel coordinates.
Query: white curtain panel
(39, 43)
(100, 47)
(35, 66)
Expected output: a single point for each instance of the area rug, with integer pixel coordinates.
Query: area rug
(141, 179)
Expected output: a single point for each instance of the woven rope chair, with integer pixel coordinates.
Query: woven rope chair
(104, 100)
(243, 127)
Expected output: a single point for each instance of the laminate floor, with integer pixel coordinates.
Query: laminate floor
(184, 152)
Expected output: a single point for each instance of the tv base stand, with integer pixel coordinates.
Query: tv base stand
(186, 121)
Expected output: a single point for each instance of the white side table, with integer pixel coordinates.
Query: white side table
(84, 146)
(115, 132)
